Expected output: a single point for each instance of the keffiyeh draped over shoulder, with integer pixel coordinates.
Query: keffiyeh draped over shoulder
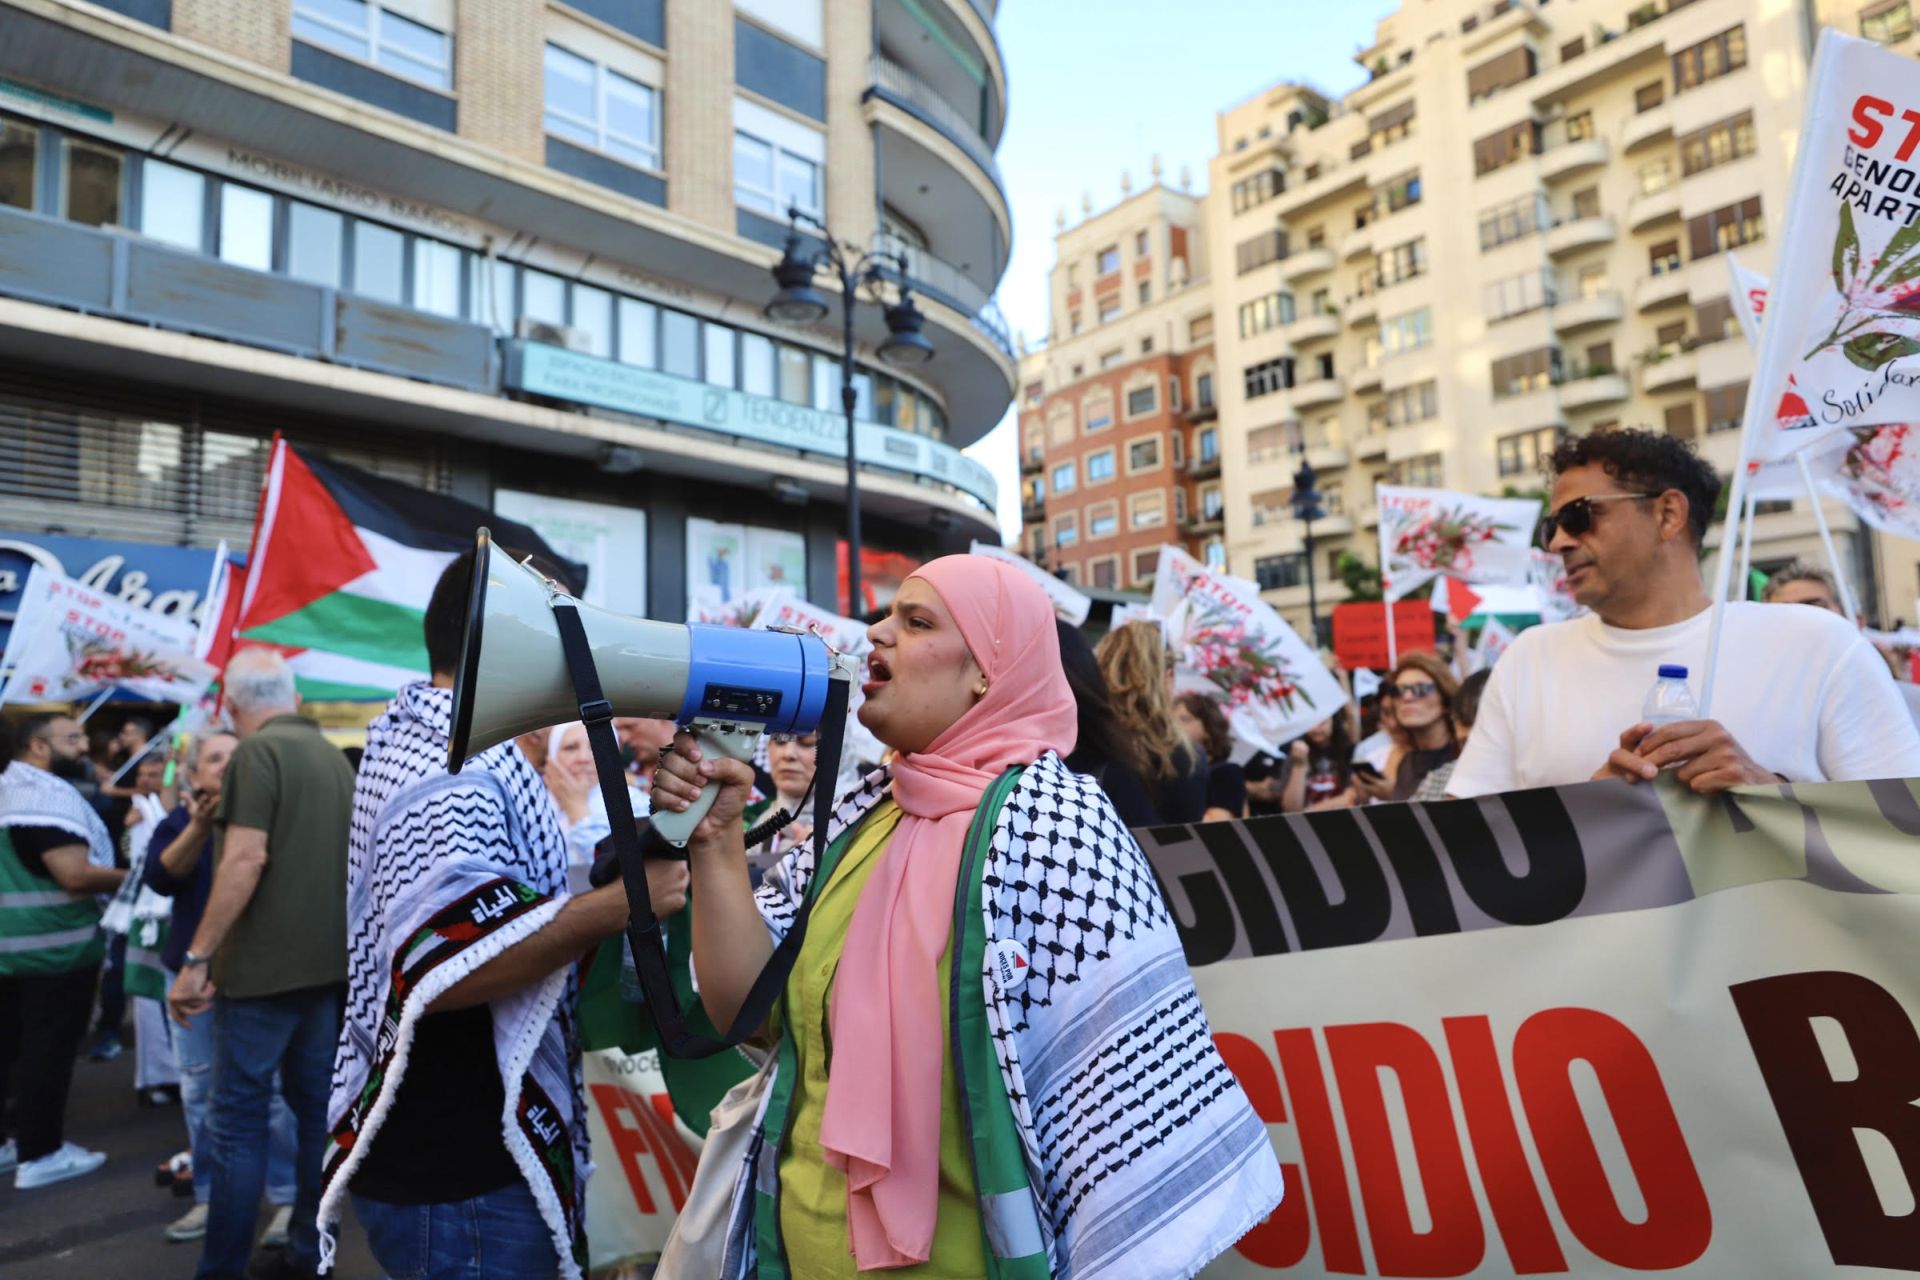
(31, 797)
(444, 872)
(1146, 1157)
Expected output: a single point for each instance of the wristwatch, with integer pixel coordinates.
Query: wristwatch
(192, 960)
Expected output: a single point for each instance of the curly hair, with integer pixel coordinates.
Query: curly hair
(1649, 461)
(1219, 743)
(1134, 660)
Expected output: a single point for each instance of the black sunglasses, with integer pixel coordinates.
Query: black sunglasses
(1576, 517)
(1419, 690)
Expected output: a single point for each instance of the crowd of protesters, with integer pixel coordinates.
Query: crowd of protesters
(375, 977)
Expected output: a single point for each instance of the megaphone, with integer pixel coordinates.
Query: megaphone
(725, 685)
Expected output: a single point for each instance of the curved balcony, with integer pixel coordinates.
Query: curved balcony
(1370, 446)
(1363, 309)
(1320, 391)
(1370, 516)
(1327, 457)
(1579, 313)
(1357, 245)
(1661, 290)
(1576, 234)
(1573, 157)
(1646, 127)
(1306, 262)
(1364, 379)
(1312, 328)
(1650, 209)
(1669, 373)
(1594, 389)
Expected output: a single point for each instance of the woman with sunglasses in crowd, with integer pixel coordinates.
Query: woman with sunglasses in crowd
(1421, 690)
(989, 1047)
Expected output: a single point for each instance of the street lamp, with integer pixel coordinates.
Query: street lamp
(798, 302)
(1307, 509)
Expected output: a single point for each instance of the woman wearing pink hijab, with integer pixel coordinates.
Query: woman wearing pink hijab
(991, 1060)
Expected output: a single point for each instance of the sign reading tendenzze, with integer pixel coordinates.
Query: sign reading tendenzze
(1578, 1031)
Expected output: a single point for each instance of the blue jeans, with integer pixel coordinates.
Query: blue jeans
(193, 1052)
(294, 1034)
(496, 1236)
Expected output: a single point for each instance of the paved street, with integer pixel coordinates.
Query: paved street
(107, 1226)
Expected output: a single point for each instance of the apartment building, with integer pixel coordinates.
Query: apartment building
(1119, 442)
(1515, 230)
(516, 250)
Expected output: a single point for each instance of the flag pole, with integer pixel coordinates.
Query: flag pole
(1746, 545)
(94, 706)
(1826, 541)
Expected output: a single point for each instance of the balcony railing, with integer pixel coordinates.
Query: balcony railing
(941, 280)
(912, 94)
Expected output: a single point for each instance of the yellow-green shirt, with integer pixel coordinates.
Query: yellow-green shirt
(813, 1194)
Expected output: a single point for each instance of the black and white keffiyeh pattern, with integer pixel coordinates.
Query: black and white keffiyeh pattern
(31, 797)
(1147, 1158)
(444, 872)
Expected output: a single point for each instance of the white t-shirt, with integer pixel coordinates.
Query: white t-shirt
(1799, 689)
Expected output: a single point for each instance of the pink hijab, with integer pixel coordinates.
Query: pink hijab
(882, 1121)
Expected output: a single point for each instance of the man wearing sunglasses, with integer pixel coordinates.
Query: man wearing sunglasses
(1800, 697)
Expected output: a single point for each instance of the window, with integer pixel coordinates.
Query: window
(437, 268)
(1147, 510)
(776, 162)
(1317, 236)
(599, 108)
(90, 184)
(1400, 193)
(1140, 244)
(1173, 394)
(1100, 466)
(1251, 192)
(1112, 359)
(1408, 331)
(1717, 144)
(1391, 125)
(1714, 320)
(173, 205)
(1142, 401)
(1655, 175)
(1416, 403)
(1268, 246)
(1323, 366)
(1519, 294)
(1103, 521)
(680, 345)
(1649, 96)
(1145, 565)
(1179, 504)
(1504, 71)
(1428, 471)
(1064, 478)
(1403, 262)
(1728, 228)
(1528, 371)
(1104, 572)
(640, 338)
(1200, 328)
(1680, 420)
(1573, 48)
(19, 164)
(1074, 324)
(1599, 360)
(1497, 150)
(1269, 376)
(1108, 260)
(1591, 282)
(543, 297)
(1712, 58)
(1274, 573)
(1143, 454)
(1726, 406)
(718, 347)
(1586, 203)
(1145, 292)
(1099, 410)
(1265, 313)
(1066, 529)
(1579, 127)
(373, 34)
(1522, 454)
(1512, 220)
(1663, 257)
(1212, 503)
(1109, 310)
(1203, 391)
(1267, 443)
(379, 255)
(1887, 23)
(246, 232)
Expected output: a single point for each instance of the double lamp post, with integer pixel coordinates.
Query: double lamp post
(799, 303)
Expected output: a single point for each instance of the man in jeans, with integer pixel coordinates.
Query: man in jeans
(270, 955)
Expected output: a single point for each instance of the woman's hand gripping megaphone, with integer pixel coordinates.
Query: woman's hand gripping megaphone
(702, 789)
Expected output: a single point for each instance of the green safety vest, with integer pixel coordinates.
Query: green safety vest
(43, 928)
(1009, 1214)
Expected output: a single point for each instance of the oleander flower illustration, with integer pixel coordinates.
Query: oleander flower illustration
(1879, 321)
(1245, 667)
(1882, 470)
(1444, 539)
(95, 661)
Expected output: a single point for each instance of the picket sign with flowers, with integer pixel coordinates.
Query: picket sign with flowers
(69, 641)
(783, 610)
(1230, 645)
(1426, 533)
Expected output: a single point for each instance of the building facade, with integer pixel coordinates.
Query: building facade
(1119, 443)
(1517, 229)
(514, 250)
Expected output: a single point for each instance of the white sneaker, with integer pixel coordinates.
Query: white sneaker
(275, 1236)
(191, 1225)
(70, 1161)
(9, 1156)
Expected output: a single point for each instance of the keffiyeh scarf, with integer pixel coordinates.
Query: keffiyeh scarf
(31, 797)
(444, 872)
(1146, 1158)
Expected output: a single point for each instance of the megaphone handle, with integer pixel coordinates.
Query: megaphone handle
(715, 738)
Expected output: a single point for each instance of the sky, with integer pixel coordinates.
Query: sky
(1095, 87)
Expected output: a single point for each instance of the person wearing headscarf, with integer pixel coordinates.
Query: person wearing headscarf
(990, 1042)
(574, 782)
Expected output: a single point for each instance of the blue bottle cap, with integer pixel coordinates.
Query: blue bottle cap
(1673, 673)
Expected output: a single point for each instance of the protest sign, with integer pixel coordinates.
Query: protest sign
(1360, 632)
(69, 641)
(1230, 645)
(1592, 1031)
(1068, 603)
(1547, 573)
(1428, 532)
(783, 609)
(643, 1157)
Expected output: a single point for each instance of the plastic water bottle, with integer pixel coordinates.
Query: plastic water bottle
(1670, 699)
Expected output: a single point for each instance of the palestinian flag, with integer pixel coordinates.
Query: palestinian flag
(342, 566)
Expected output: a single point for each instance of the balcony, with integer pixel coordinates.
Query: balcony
(1590, 389)
(1326, 455)
(1580, 313)
(1199, 523)
(904, 89)
(1370, 516)
(1320, 391)
(1204, 468)
(1364, 379)
(1576, 234)
(1033, 462)
(1651, 208)
(1205, 411)
(1357, 245)
(1646, 127)
(1667, 369)
(937, 278)
(1307, 262)
(1660, 290)
(1033, 510)
(1363, 309)
(1312, 328)
(1370, 446)
(1335, 524)
(1572, 157)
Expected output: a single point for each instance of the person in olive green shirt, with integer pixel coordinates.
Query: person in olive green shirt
(270, 955)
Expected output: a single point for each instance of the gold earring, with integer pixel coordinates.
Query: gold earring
(981, 692)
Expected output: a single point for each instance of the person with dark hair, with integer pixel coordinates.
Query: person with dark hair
(1800, 696)
(1102, 751)
(1421, 689)
(456, 1117)
(1319, 768)
(1201, 719)
(1466, 708)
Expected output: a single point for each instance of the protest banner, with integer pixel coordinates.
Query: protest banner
(1588, 1030)
(1068, 603)
(786, 610)
(1360, 632)
(69, 641)
(644, 1158)
(1230, 645)
(1428, 532)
